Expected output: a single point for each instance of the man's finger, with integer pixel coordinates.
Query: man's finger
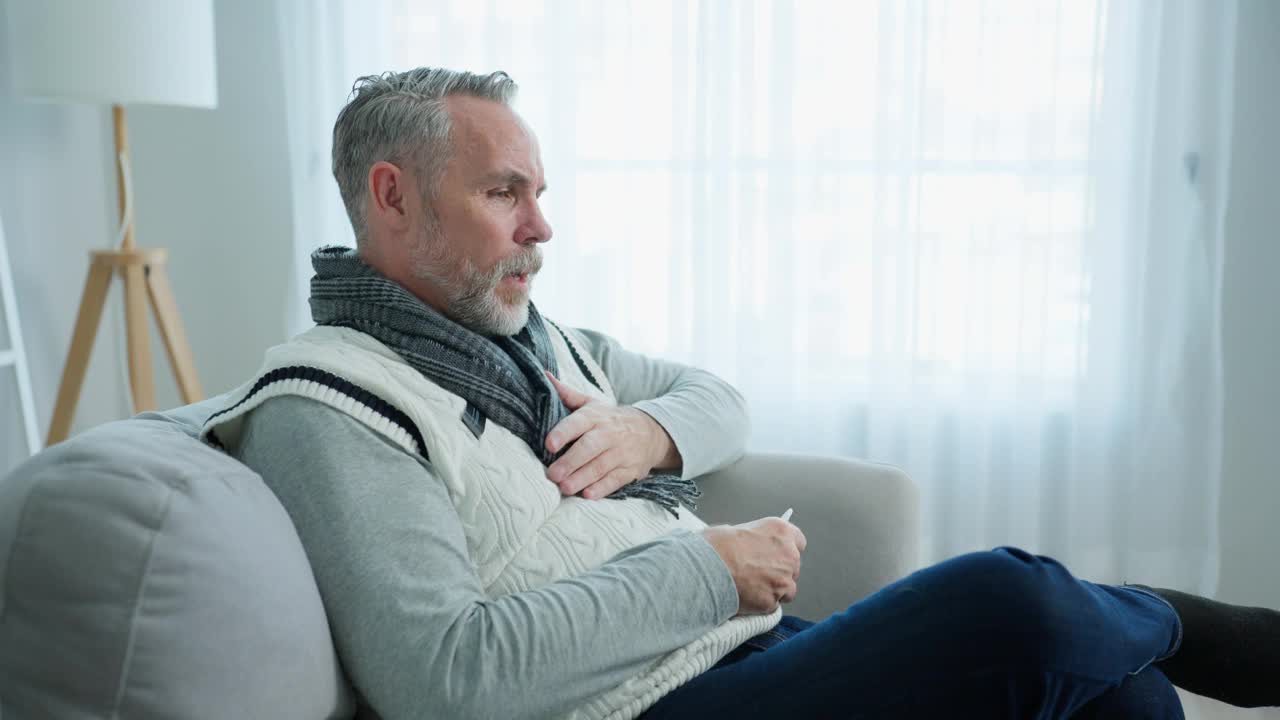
(605, 486)
(590, 473)
(576, 457)
(788, 595)
(569, 429)
(570, 397)
(574, 472)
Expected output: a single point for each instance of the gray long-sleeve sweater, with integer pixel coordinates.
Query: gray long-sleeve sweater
(415, 632)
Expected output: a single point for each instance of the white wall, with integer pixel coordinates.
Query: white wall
(1249, 511)
(210, 185)
(1250, 508)
(55, 203)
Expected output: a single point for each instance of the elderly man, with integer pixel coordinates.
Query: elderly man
(497, 508)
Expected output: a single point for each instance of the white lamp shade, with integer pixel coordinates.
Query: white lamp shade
(157, 52)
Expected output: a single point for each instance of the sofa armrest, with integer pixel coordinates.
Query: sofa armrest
(861, 520)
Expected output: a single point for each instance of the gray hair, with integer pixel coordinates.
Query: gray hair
(401, 118)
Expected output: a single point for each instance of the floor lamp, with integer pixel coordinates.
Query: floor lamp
(119, 52)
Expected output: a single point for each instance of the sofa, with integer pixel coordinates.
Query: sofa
(144, 574)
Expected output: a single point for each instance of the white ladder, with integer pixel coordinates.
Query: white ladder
(13, 355)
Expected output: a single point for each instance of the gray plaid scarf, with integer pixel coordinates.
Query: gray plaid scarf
(500, 377)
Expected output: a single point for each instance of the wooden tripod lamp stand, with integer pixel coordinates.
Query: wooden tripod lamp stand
(120, 52)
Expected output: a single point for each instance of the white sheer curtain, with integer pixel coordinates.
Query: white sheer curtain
(979, 240)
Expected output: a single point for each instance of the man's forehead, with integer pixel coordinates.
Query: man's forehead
(494, 136)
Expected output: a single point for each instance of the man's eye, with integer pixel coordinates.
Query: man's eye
(504, 193)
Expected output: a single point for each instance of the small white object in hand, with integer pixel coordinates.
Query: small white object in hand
(787, 515)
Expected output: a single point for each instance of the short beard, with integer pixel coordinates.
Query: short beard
(471, 295)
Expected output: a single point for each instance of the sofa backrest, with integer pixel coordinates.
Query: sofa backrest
(144, 574)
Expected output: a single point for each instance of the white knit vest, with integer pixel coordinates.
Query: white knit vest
(521, 533)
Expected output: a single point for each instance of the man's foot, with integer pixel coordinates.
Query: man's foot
(1229, 652)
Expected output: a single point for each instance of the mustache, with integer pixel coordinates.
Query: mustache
(527, 263)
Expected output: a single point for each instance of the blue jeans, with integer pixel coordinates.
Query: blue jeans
(1000, 634)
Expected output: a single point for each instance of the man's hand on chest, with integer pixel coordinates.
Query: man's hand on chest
(608, 445)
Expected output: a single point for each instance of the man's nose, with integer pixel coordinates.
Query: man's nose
(537, 229)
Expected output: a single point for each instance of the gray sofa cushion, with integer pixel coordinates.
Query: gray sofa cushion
(144, 574)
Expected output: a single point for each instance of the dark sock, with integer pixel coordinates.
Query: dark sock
(1229, 652)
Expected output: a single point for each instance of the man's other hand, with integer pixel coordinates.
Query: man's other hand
(764, 558)
(615, 445)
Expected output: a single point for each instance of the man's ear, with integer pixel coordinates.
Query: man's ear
(387, 190)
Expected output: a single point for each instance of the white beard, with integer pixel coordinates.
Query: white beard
(472, 296)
